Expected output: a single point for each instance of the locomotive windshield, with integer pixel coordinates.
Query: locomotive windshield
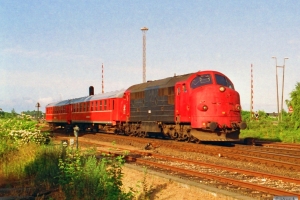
(222, 80)
(201, 80)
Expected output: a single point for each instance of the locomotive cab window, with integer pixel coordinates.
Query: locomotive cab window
(201, 80)
(222, 80)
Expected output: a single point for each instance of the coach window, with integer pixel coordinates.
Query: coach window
(96, 106)
(104, 105)
(100, 105)
(201, 80)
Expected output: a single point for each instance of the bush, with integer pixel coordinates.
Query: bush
(269, 128)
(84, 177)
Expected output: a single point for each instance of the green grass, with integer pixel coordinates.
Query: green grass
(268, 128)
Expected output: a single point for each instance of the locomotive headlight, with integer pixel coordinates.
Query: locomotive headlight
(202, 107)
(238, 107)
(222, 89)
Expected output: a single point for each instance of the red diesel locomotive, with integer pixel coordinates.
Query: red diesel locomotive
(200, 106)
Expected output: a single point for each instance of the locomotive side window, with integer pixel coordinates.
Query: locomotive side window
(184, 88)
(221, 80)
(201, 80)
(178, 90)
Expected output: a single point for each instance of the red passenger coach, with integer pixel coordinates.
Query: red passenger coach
(89, 112)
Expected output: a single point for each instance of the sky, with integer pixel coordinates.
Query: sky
(53, 50)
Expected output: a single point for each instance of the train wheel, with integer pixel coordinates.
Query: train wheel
(142, 134)
(174, 136)
(188, 139)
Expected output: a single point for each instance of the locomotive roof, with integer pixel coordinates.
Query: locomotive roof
(113, 94)
(162, 83)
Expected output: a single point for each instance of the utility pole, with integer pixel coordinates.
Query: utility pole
(251, 101)
(144, 30)
(102, 80)
(283, 67)
(38, 110)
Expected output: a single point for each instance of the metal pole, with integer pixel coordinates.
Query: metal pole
(144, 29)
(277, 93)
(277, 89)
(251, 102)
(283, 68)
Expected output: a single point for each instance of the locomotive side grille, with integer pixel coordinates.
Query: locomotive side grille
(137, 95)
(171, 100)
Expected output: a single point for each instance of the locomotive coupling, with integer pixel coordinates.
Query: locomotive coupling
(212, 126)
(242, 125)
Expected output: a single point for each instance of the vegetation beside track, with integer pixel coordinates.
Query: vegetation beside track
(269, 128)
(286, 129)
(26, 153)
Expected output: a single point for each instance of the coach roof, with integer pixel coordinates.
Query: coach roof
(107, 95)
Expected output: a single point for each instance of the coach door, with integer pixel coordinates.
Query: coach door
(182, 107)
(69, 113)
(125, 108)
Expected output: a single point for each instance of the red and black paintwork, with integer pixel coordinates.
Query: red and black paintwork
(200, 106)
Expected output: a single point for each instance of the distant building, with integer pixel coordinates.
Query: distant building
(273, 115)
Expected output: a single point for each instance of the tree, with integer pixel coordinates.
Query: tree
(13, 112)
(295, 103)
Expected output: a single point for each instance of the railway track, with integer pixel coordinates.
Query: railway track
(253, 183)
(277, 145)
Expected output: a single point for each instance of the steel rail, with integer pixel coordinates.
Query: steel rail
(238, 183)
